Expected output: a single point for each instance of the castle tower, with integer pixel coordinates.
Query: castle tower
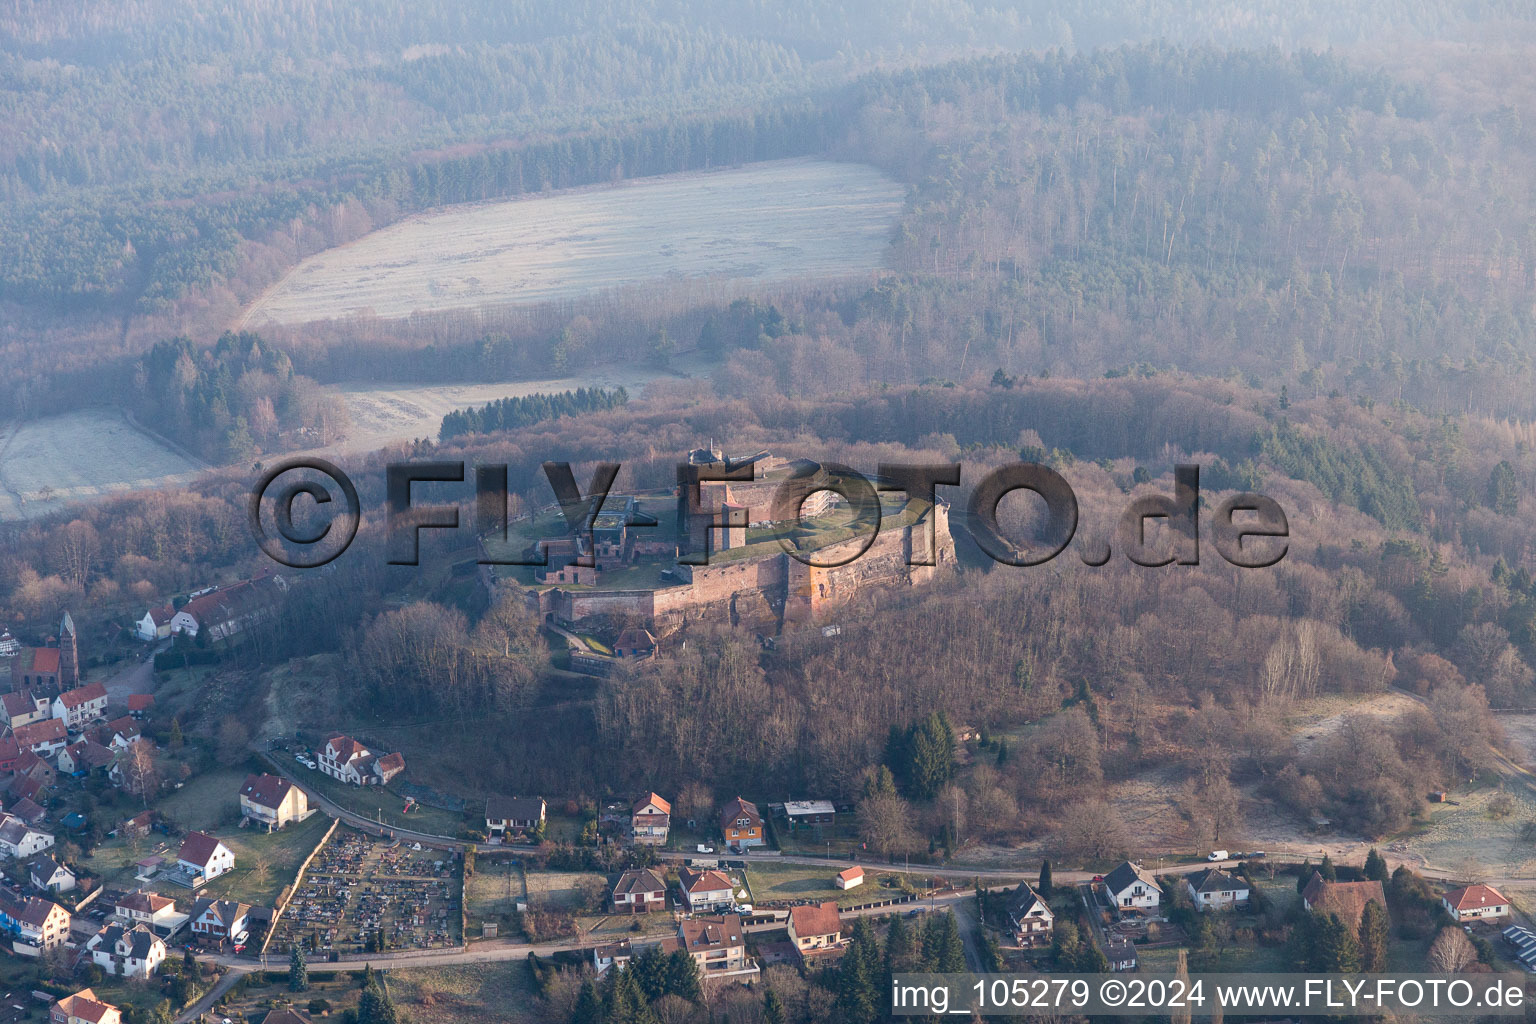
(69, 655)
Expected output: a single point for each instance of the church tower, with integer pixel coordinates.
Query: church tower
(69, 655)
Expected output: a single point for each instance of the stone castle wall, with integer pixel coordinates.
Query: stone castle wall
(772, 587)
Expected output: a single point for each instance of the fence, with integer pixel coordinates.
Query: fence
(286, 896)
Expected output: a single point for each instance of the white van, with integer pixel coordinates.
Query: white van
(1217, 855)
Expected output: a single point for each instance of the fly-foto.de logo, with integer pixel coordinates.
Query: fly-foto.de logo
(305, 513)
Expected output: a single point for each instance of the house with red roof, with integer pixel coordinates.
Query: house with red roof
(346, 760)
(815, 929)
(203, 858)
(23, 708)
(83, 1008)
(271, 801)
(36, 668)
(706, 891)
(81, 705)
(156, 624)
(650, 820)
(44, 738)
(1475, 903)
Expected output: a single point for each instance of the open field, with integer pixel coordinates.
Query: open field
(384, 415)
(765, 222)
(466, 994)
(59, 460)
(77, 457)
(796, 882)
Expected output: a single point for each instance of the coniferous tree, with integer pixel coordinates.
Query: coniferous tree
(1326, 869)
(773, 1008)
(650, 972)
(376, 1007)
(858, 995)
(298, 970)
(1376, 866)
(682, 975)
(589, 1007)
(1337, 949)
(1044, 887)
(1375, 929)
(1304, 875)
(900, 949)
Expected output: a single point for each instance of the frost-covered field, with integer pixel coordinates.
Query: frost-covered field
(384, 415)
(78, 456)
(764, 222)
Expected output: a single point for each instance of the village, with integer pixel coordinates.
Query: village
(187, 895)
(143, 877)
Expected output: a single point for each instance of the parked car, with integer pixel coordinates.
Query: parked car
(706, 849)
(1217, 855)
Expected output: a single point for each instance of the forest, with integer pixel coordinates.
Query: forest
(512, 413)
(232, 400)
(1286, 219)
(1108, 670)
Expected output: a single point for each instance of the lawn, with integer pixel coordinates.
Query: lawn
(493, 892)
(281, 851)
(207, 801)
(562, 889)
(383, 804)
(770, 882)
(466, 994)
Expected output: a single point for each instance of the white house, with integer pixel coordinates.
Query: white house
(131, 951)
(203, 857)
(1130, 887)
(507, 817)
(1214, 889)
(1475, 903)
(650, 819)
(44, 738)
(346, 760)
(221, 919)
(156, 624)
(20, 840)
(154, 911)
(222, 612)
(640, 889)
(1029, 917)
(706, 891)
(81, 705)
(48, 874)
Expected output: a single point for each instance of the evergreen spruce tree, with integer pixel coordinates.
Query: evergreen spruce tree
(1338, 950)
(1044, 887)
(1375, 931)
(951, 948)
(1304, 875)
(682, 975)
(900, 949)
(375, 1006)
(1376, 866)
(857, 995)
(589, 1008)
(1327, 870)
(773, 1008)
(298, 970)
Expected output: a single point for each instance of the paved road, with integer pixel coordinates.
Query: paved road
(138, 677)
